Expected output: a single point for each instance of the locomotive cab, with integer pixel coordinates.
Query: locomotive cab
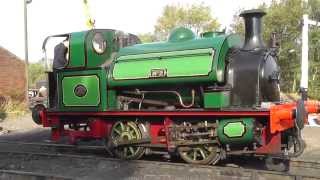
(79, 84)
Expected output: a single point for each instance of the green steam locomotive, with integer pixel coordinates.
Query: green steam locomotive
(203, 98)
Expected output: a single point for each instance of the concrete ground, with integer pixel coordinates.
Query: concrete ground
(18, 124)
(23, 129)
(311, 135)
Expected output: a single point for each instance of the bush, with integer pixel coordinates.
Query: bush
(36, 73)
(12, 105)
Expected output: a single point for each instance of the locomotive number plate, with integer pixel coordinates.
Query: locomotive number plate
(157, 73)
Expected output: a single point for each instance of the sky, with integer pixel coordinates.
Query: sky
(49, 17)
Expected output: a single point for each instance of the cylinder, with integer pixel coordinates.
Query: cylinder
(236, 131)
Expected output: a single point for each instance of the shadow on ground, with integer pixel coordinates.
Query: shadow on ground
(35, 135)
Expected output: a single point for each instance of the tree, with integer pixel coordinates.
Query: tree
(238, 23)
(36, 73)
(284, 17)
(147, 37)
(314, 49)
(196, 17)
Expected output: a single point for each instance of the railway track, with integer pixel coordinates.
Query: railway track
(87, 162)
(21, 175)
(53, 147)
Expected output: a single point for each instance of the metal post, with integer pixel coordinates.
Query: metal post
(25, 12)
(26, 31)
(304, 57)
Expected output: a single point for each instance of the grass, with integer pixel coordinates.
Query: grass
(12, 107)
(290, 96)
(16, 108)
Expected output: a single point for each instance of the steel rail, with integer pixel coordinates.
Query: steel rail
(298, 169)
(13, 174)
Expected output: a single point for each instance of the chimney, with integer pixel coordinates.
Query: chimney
(253, 26)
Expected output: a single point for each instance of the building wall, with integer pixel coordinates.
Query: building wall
(12, 75)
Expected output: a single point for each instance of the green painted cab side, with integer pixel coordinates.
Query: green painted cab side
(82, 54)
(95, 82)
(77, 50)
(89, 82)
(94, 59)
(135, 64)
(236, 131)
